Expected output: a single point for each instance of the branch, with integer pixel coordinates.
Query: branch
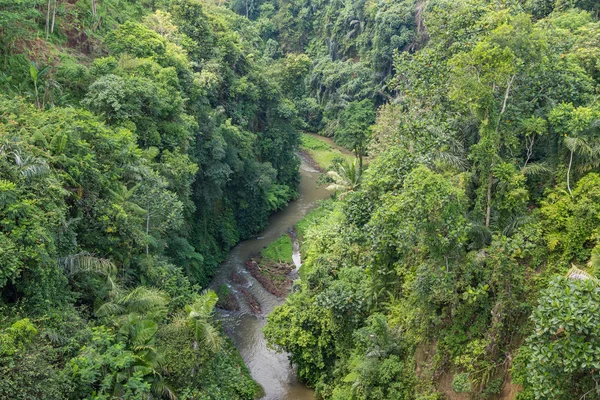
(510, 82)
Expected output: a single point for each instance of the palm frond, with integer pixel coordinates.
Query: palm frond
(162, 388)
(536, 169)
(211, 338)
(204, 305)
(480, 232)
(143, 299)
(142, 332)
(35, 170)
(457, 161)
(594, 262)
(108, 309)
(86, 262)
(515, 222)
(576, 273)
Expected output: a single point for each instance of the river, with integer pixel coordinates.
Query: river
(270, 369)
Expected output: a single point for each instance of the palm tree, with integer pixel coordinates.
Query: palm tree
(142, 302)
(594, 262)
(346, 178)
(135, 314)
(30, 167)
(198, 316)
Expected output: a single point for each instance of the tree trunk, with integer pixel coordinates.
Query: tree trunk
(147, 226)
(48, 20)
(569, 173)
(53, 16)
(488, 211)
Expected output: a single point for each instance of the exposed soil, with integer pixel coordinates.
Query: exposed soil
(509, 389)
(274, 277)
(445, 387)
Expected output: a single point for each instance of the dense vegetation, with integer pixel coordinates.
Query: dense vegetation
(139, 141)
(461, 263)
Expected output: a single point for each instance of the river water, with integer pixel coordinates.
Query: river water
(270, 369)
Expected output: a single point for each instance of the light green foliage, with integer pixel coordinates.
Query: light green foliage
(106, 368)
(574, 220)
(17, 337)
(461, 383)
(346, 177)
(135, 40)
(279, 250)
(310, 220)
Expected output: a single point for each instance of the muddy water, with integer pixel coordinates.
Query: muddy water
(272, 370)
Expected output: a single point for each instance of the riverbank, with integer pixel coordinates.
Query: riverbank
(273, 267)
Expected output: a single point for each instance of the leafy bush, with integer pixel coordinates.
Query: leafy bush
(461, 383)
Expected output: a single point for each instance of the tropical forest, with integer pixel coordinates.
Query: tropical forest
(300, 199)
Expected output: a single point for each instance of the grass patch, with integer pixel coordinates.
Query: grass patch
(320, 151)
(305, 223)
(279, 251)
(312, 143)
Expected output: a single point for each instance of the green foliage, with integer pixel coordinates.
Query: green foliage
(135, 40)
(461, 383)
(279, 250)
(17, 337)
(563, 350)
(354, 127)
(574, 226)
(142, 140)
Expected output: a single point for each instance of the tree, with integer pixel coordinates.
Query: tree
(579, 126)
(346, 177)
(198, 316)
(163, 209)
(354, 130)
